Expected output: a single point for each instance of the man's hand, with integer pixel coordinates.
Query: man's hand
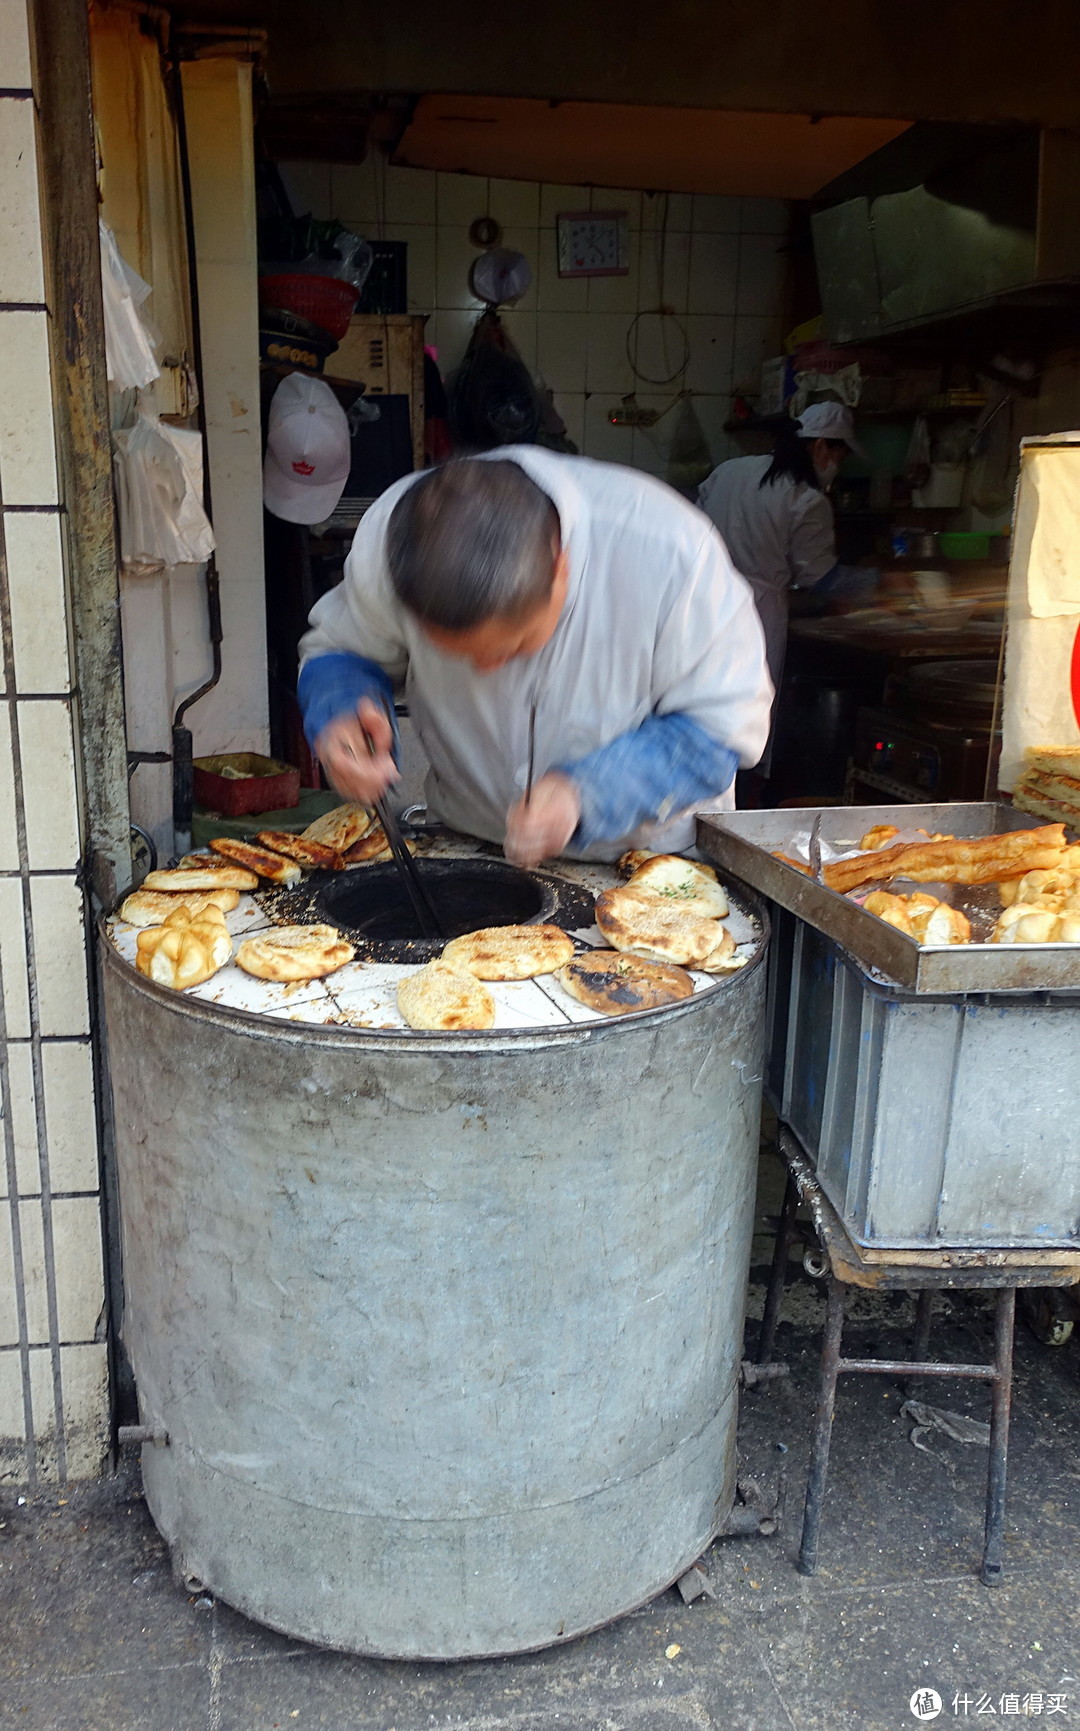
(541, 829)
(347, 759)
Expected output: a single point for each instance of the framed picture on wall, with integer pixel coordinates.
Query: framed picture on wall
(592, 243)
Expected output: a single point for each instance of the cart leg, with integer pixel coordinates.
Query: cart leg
(1000, 1405)
(785, 1232)
(924, 1315)
(819, 1456)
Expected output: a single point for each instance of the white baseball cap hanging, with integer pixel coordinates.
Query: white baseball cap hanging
(308, 455)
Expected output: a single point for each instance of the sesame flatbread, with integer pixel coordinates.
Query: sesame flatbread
(509, 952)
(340, 828)
(660, 929)
(294, 953)
(441, 1000)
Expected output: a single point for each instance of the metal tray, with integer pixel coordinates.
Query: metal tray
(744, 842)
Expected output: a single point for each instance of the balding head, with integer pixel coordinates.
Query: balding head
(473, 541)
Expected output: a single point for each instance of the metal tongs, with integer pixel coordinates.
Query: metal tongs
(430, 924)
(815, 851)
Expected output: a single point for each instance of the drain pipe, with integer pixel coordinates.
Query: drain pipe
(182, 745)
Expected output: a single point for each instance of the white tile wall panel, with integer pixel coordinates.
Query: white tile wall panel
(712, 341)
(9, 1316)
(50, 799)
(59, 956)
(514, 203)
(555, 199)
(714, 213)
(80, 1281)
(9, 839)
(461, 198)
(455, 258)
(20, 1112)
(84, 1377)
(670, 210)
(421, 263)
(607, 364)
(763, 271)
(664, 270)
(35, 561)
(763, 215)
(353, 195)
(14, 45)
(27, 442)
(618, 294)
(555, 293)
(561, 348)
(13, 959)
(35, 1285)
(12, 1419)
(21, 272)
(406, 194)
(68, 1080)
(714, 264)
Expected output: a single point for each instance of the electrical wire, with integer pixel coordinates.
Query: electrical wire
(661, 311)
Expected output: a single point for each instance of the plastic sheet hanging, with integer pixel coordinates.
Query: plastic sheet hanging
(158, 473)
(130, 363)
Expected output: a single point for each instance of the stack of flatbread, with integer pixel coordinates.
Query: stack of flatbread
(669, 910)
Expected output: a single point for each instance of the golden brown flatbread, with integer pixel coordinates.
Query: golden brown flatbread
(153, 907)
(373, 848)
(186, 950)
(614, 983)
(663, 930)
(294, 953)
(340, 828)
(509, 952)
(272, 866)
(220, 877)
(311, 854)
(683, 882)
(441, 1000)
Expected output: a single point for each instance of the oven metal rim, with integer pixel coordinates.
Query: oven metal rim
(273, 1028)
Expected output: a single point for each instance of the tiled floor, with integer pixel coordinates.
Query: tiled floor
(96, 1636)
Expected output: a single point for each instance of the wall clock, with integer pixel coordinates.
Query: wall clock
(592, 243)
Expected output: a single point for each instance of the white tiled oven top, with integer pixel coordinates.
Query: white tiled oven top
(363, 995)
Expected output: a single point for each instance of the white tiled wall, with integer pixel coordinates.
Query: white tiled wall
(717, 263)
(53, 1378)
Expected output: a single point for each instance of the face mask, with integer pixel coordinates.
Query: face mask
(828, 474)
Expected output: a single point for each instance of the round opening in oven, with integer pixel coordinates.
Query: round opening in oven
(373, 902)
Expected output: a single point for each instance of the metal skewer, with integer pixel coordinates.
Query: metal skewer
(422, 906)
(532, 753)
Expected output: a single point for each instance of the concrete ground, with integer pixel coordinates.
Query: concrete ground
(96, 1636)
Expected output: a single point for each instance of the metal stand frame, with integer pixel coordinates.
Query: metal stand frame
(1000, 1271)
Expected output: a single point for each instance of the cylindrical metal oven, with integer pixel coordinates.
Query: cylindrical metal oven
(444, 1330)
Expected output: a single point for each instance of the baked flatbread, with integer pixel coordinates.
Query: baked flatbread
(629, 862)
(437, 998)
(272, 866)
(615, 984)
(311, 854)
(663, 930)
(153, 907)
(340, 828)
(219, 877)
(372, 848)
(294, 953)
(186, 950)
(509, 952)
(683, 882)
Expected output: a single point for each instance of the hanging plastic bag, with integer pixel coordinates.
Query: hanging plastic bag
(689, 461)
(129, 351)
(492, 398)
(158, 473)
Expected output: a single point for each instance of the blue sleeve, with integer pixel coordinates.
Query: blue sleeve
(332, 685)
(850, 582)
(647, 775)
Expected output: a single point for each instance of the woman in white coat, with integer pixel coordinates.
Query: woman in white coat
(777, 523)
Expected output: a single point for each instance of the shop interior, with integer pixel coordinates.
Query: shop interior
(651, 286)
